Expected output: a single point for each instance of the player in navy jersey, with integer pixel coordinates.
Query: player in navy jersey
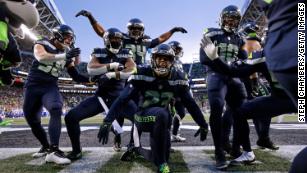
(179, 110)
(12, 15)
(41, 89)
(281, 52)
(135, 39)
(273, 105)
(156, 85)
(223, 87)
(111, 66)
(137, 42)
(281, 43)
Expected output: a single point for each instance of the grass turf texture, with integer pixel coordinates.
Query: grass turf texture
(17, 164)
(114, 165)
(96, 120)
(268, 161)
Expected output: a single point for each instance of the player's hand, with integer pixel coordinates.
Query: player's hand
(116, 66)
(209, 48)
(103, 134)
(202, 131)
(178, 29)
(74, 52)
(84, 13)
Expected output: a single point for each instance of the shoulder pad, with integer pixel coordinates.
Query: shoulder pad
(211, 32)
(126, 36)
(45, 42)
(146, 37)
(124, 53)
(143, 74)
(99, 52)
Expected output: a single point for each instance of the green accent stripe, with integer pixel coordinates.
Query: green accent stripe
(4, 40)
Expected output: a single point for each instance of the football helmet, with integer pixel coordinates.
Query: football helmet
(135, 28)
(162, 59)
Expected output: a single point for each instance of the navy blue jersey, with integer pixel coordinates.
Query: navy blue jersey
(229, 47)
(157, 92)
(139, 47)
(112, 87)
(46, 73)
(255, 63)
(282, 14)
(281, 44)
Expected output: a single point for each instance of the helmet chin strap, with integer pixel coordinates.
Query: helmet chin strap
(162, 72)
(115, 51)
(227, 29)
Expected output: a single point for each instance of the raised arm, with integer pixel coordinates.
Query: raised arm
(96, 26)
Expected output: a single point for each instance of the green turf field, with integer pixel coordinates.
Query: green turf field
(288, 118)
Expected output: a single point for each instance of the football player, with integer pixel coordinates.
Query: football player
(41, 89)
(156, 85)
(112, 66)
(223, 87)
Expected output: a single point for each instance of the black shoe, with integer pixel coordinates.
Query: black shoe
(42, 152)
(235, 153)
(267, 143)
(74, 155)
(227, 147)
(129, 155)
(221, 162)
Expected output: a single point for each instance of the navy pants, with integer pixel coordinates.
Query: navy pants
(271, 105)
(157, 122)
(35, 98)
(288, 80)
(221, 88)
(88, 108)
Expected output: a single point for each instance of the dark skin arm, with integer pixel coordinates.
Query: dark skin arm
(96, 26)
(168, 34)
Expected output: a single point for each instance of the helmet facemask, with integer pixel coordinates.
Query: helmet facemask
(136, 32)
(162, 64)
(135, 28)
(162, 60)
(230, 23)
(113, 42)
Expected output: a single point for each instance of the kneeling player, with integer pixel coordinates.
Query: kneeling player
(156, 86)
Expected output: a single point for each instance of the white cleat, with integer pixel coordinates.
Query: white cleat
(177, 138)
(245, 158)
(57, 157)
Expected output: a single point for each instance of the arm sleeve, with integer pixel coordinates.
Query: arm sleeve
(4, 40)
(76, 76)
(153, 43)
(192, 107)
(243, 70)
(115, 111)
